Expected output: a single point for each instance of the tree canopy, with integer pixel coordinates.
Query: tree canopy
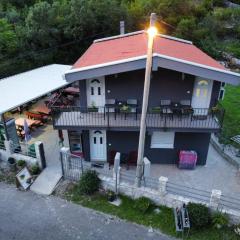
(37, 32)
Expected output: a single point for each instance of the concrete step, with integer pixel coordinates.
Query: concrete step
(47, 181)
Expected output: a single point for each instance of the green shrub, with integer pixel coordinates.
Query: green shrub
(89, 182)
(199, 215)
(35, 169)
(219, 220)
(21, 163)
(142, 204)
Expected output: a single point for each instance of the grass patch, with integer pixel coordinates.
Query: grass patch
(231, 103)
(163, 221)
(7, 176)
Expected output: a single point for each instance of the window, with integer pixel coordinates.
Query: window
(92, 90)
(221, 94)
(162, 140)
(202, 83)
(75, 141)
(222, 91)
(99, 91)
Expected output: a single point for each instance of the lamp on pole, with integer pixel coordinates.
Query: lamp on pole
(152, 31)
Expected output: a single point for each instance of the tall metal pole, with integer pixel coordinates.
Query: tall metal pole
(141, 144)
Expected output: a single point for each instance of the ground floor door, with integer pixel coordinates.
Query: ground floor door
(98, 147)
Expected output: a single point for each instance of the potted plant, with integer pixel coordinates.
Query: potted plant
(93, 108)
(125, 109)
(214, 110)
(12, 164)
(111, 196)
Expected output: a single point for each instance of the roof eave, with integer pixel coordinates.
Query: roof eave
(159, 60)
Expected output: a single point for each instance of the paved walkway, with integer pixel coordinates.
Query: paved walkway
(216, 174)
(27, 216)
(48, 179)
(49, 137)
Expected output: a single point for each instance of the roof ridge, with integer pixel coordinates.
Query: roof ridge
(175, 38)
(118, 36)
(139, 32)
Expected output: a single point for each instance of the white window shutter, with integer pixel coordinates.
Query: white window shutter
(162, 139)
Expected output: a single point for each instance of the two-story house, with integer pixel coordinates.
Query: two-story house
(182, 110)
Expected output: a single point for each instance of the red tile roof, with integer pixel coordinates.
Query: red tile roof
(130, 46)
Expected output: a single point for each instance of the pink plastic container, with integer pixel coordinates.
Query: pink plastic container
(187, 159)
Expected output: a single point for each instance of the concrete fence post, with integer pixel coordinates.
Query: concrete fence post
(147, 167)
(65, 159)
(40, 155)
(163, 185)
(116, 164)
(215, 199)
(8, 147)
(118, 175)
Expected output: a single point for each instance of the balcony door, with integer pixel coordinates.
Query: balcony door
(98, 147)
(201, 96)
(96, 92)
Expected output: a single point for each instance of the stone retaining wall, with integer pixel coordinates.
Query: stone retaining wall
(218, 147)
(162, 197)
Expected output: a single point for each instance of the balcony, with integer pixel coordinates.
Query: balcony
(71, 117)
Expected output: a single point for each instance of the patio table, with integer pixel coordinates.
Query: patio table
(117, 108)
(176, 108)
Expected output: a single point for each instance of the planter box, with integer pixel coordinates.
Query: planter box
(93, 109)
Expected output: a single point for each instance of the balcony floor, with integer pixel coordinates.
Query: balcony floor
(97, 120)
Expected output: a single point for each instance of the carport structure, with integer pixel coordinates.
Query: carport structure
(22, 88)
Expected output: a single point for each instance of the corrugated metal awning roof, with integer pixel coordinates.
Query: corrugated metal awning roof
(24, 87)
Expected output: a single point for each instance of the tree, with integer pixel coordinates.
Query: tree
(44, 25)
(185, 28)
(8, 38)
(90, 17)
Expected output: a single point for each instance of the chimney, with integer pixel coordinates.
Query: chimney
(122, 27)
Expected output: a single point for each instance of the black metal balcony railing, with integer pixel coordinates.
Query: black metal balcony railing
(102, 117)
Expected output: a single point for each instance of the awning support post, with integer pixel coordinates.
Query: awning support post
(5, 126)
